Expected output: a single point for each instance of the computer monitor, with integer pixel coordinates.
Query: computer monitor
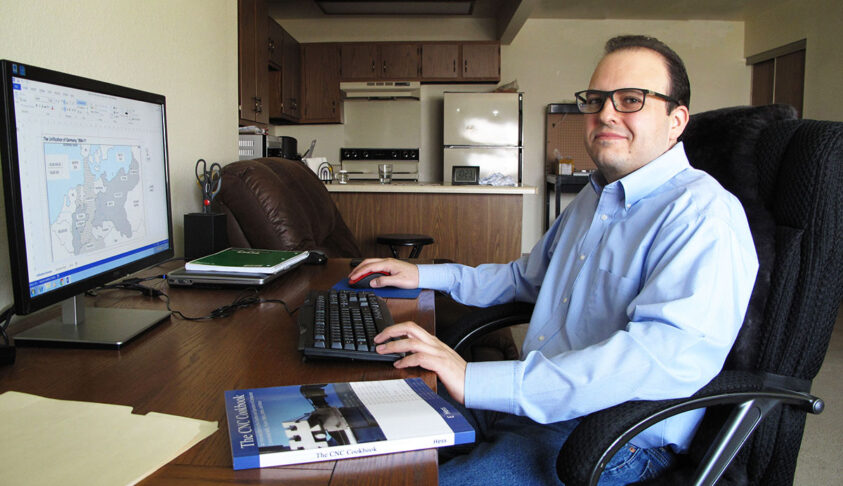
(87, 198)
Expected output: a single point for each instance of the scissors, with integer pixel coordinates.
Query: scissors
(210, 180)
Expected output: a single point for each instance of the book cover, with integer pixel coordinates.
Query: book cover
(247, 260)
(284, 425)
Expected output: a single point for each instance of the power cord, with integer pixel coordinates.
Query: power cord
(246, 298)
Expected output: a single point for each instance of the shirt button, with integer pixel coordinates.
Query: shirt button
(565, 300)
(541, 338)
(604, 217)
(582, 257)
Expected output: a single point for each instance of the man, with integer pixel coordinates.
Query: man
(640, 288)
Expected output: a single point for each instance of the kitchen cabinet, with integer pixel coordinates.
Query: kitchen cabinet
(284, 76)
(374, 61)
(321, 83)
(481, 61)
(252, 39)
(460, 61)
(439, 61)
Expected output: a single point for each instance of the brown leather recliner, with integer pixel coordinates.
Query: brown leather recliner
(276, 203)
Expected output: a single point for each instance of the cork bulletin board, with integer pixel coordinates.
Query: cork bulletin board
(565, 134)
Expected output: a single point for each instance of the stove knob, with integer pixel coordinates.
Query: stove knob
(405, 155)
(394, 154)
(365, 154)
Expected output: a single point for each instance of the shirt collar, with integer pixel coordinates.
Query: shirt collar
(645, 180)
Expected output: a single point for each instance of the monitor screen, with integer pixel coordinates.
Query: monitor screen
(86, 182)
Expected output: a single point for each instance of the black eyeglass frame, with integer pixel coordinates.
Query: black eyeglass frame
(582, 101)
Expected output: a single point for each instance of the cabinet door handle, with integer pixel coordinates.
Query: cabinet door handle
(373, 65)
(455, 66)
(384, 67)
(465, 67)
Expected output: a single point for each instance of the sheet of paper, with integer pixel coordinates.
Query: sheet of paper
(47, 441)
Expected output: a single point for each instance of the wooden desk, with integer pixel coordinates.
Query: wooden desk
(183, 367)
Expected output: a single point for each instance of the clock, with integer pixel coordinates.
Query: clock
(465, 174)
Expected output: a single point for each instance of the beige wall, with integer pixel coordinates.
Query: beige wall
(820, 22)
(550, 59)
(185, 50)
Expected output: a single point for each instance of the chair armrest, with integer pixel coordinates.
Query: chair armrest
(599, 436)
(476, 323)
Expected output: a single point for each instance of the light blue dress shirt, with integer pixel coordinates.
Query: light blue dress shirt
(640, 288)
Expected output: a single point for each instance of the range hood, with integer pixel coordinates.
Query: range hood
(381, 90)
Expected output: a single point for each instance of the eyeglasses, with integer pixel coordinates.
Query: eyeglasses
(625, 100)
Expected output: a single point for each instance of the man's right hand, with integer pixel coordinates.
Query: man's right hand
(403, 275)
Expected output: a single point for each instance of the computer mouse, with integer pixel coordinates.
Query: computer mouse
(365, 281)
(316, 257)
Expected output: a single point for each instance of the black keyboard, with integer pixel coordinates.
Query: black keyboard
(342, 324)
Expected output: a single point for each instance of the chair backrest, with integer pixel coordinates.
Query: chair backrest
(280, 204)
(788, 174)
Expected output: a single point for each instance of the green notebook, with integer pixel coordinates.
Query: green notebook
(247, 260)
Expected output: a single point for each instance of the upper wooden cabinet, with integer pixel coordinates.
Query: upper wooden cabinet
(481, 61)
(252, 61)
(275, 43)
(440, 62)
(284, 77)
(321, 83)
(379, 61)
(460, 62)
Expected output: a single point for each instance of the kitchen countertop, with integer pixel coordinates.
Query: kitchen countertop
(408, 187)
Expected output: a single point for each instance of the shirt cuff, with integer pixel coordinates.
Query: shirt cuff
(490, 385)
(436, 277)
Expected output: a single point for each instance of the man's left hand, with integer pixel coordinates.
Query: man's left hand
(427, 351)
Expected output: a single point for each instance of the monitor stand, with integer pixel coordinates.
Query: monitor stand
(91, 326)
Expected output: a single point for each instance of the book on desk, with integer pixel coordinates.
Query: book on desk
(324, 422)
(247, 260)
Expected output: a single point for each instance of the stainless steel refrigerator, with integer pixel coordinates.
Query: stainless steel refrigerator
(482, 130)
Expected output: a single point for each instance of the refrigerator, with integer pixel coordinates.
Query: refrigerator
(482, 130)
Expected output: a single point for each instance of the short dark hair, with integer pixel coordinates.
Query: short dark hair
(680, 87)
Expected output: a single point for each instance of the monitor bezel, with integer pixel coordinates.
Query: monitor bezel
(18, 259)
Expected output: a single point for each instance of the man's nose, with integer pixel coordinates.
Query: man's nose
(607, 112)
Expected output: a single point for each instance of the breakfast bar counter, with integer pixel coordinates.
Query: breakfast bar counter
(427, 188)
(470, 224)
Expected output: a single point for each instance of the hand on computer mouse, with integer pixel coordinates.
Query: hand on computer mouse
(365, 280)
(403, 275)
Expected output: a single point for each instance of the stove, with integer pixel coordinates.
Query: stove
(362, 163)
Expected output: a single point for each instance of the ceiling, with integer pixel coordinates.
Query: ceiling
(510, 15)
(553, 9)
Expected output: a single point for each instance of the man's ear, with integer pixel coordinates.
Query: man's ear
(678, 121)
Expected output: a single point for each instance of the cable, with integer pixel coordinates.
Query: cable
(246, 298)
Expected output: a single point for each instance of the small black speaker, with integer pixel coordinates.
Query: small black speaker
(204, 233)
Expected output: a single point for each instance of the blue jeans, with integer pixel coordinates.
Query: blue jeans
(512, 450)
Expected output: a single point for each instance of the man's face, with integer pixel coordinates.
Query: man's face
(620, 143)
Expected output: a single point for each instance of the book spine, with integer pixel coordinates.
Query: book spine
(241, 431)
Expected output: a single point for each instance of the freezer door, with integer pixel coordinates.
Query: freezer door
(481, 119)
(489, 160)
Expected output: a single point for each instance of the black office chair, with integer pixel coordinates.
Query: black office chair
(788, 174)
